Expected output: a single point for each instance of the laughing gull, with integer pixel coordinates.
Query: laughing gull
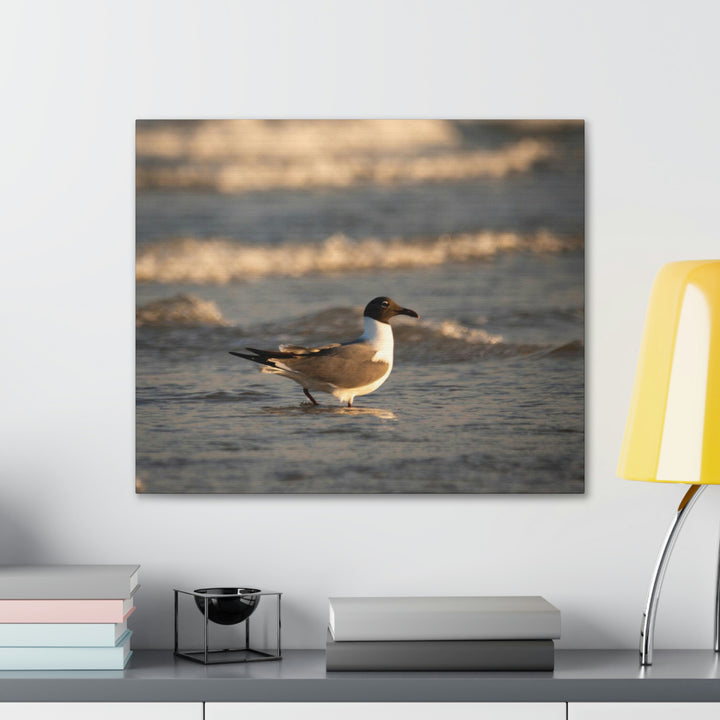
(343, 370)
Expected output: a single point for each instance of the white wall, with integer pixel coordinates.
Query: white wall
(73, 78)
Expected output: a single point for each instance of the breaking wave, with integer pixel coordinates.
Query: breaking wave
(424, 340)
(199, 327)
(179, 310)
(247, 155)
(246, 175)
(451, 341)
(218, 139)
(192, 260)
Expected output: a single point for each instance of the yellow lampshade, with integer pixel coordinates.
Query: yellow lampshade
(673, 426)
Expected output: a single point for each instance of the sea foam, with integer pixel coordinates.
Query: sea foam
(192, 260)
(220, 139)
(179, 310)
(250, 155)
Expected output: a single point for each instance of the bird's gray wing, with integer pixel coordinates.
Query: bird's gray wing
(345, 366)
(301, 350)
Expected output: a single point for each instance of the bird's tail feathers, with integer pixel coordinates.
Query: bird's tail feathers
(259, 356)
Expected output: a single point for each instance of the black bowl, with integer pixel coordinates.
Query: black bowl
(228, 610)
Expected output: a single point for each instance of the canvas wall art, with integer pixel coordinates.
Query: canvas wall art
(359, 306)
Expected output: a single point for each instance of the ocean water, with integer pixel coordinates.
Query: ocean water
(257, 234)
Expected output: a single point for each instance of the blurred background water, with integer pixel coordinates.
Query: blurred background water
(257, 233)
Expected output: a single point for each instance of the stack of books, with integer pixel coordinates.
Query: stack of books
(442, 633)
(66, 617)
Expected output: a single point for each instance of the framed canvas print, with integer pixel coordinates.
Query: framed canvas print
(360, 306)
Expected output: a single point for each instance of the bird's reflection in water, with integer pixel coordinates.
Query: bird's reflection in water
(309, 408)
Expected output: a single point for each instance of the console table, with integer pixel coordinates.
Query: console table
(582, 679)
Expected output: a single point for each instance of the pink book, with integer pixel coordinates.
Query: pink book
(65, 611)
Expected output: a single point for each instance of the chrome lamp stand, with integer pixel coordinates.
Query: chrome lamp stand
(648, 622)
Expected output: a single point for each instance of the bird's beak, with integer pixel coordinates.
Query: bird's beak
(407, 311)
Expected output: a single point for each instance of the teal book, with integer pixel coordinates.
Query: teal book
(67, 658)
(61, 634)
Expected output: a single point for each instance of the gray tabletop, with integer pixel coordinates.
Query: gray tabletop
(579, 676)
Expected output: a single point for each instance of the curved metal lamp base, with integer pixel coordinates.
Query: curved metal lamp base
(648, 623)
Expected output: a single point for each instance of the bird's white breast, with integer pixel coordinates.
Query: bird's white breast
(380, 337)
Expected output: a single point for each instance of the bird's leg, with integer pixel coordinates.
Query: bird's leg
(310, 397)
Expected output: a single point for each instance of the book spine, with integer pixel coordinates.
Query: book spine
(60, 634)
(399, 626)
(62, 611)
(67, 658)
(48, 660)
(440, 619)
(68, 582)
(470, 655)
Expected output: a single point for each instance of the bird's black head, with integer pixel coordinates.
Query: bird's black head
(383, 308)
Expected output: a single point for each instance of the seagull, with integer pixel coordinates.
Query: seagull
(345, 370)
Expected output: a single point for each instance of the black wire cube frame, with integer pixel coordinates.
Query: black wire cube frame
(244, 654)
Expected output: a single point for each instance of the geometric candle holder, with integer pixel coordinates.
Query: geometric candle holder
(220, 617)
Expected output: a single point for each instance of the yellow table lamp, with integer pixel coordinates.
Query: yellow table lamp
(673, 426)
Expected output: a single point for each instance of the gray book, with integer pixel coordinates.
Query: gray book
(68, 582)
(443, 618)
(440, 655)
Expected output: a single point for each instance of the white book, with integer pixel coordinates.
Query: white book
(68, 582)
(61, 634)
(67, 658)
(443, 618)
